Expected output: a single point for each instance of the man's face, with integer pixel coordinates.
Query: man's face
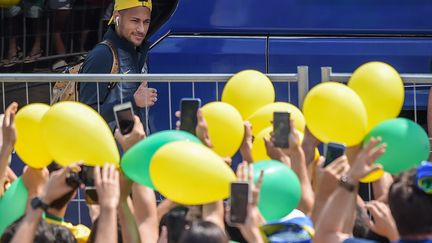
(134, 24)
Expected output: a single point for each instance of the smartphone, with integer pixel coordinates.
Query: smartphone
(281, 129)
(86, 176)
(124, 116)
(239, 202)
(333, 151)
(188, 119)
(91, 196)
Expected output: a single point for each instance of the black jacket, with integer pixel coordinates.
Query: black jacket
(99, 60)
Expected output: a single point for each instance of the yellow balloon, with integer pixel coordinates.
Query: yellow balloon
(263, 117)
(259, 151)
(8, 3)
(225, 126)
(376, 175)
(190, 173)
(381, 89)
(248, 91)
(75, 132)
(335, 113)
(29, 145)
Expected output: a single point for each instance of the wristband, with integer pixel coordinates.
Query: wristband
(36, 203)
(346, 183)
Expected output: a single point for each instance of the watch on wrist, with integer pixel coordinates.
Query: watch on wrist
(36, 203)
(346, 183)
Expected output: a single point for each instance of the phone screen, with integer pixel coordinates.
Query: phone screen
(86, 175)
(126, 122)
(239, 202)
(91, 196)
(281, 129)
(188, 119)
(334, 151)
(124, 117)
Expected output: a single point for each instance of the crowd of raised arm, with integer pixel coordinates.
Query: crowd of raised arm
(128, 212)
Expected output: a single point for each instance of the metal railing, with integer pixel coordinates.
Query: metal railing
(301, 77)
(327, 74)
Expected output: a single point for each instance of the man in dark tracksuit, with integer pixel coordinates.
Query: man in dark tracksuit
(131, 20)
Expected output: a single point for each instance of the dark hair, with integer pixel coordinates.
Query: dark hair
(45, 233)
(360, 229)
(410, 206)
(93, 232)
(61, 234)
(203, 231)
(175, 221)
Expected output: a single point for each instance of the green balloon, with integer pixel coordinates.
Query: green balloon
(136, 161)
(13, 204)
(407, 144)
(280, 190)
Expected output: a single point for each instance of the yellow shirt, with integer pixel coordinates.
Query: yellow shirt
(80, 231)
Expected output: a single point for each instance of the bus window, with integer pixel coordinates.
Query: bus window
(162, 10)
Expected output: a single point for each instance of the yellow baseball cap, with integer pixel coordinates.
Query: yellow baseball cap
(125, 4)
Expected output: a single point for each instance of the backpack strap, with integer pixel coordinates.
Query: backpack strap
(115, 68)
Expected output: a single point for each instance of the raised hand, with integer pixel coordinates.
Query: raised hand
(107, 185)
(276, 153)
(328, 177)
(201, 129)
(57, 185)
(106, 180)
(383, 222)
(8, 142)
(145, 96)
(363, 163)
(8, 128)
(254, 219)
(246, 146)
(130, 139)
